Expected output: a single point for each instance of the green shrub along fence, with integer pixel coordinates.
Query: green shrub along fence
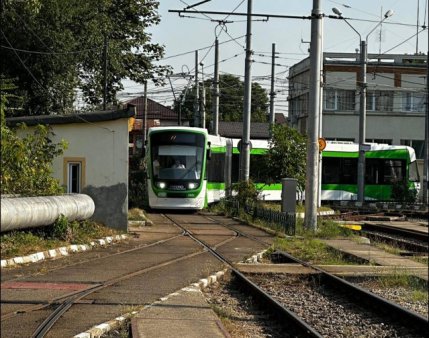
(279, 221)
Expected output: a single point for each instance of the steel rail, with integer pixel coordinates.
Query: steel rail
(68, 301)
(139, 247)
(420, 247)
(407, 233)
(254, 238)
(56, 300)
(411, 318)
(273, 306)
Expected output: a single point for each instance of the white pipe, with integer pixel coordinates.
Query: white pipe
(30, 212)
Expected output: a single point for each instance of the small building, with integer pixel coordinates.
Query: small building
(258, 130)
(96, 160)
(157, 115)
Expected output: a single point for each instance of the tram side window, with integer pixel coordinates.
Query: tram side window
(381, 171)
(235, 168)
(258, 169)
(394, 171)
(372, 171)
(337, 170)
(348, 171)
(330, 170)
(215, 168)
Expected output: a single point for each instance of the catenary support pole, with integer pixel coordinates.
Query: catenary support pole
(245, 142)
(203, 98)
(426, 147)
(311, 185)
(144, 117)
(272, 92)
(362, 123)
(197, 94)
(215, 95)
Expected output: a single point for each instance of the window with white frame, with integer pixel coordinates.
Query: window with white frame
(379, 100)
(413, 101)
(74, 174)
(339, 99)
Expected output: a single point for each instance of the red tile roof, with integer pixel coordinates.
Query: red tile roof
(155, 110)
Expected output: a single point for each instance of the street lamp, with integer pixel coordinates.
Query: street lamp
(362, 106)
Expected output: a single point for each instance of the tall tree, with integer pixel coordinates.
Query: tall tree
(287, 155)
(230, 101)
(54, 48)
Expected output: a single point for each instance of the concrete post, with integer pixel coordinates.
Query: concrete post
(312, 170)
(362, 124)
(245, 150)
(289, 186)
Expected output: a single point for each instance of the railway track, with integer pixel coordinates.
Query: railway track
(51, 315)
(412, 323)
(59, 306)
(392, 228)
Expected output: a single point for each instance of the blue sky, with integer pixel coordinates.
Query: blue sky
(181, 35)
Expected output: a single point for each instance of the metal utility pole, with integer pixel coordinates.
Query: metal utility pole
(426, 147)
(311, 185)
(203, 98)
(362, 123)
(144, 116)
(272, 92)
(322, 85)
(245, 141)
(215, 95)
(197, 94)
(105, 72)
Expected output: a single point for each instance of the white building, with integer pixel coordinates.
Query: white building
(96, 159)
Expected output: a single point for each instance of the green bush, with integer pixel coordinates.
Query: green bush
(137, 189)
(26, 162)
(61, 228)
(401, 192)
(246, 192)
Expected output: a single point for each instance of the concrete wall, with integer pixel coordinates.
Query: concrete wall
(396, 127)
(103, 146)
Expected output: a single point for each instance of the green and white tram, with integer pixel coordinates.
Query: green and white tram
(188, 169)
(385, 166)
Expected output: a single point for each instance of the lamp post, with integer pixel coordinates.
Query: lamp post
(362, 105)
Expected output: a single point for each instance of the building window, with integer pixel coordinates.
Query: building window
(340, 139)
(379, 140)
(413, 101)
(339, 99)
(74, 174)
(379, 100)
(418, 145)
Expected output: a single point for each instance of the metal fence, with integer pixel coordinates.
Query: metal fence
(279, 221)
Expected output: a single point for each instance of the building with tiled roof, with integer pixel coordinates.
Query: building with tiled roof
(157, 115)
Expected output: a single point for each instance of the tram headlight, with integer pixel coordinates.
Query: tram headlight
(193, 185)
(161, 185)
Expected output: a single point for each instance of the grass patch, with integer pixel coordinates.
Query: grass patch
(310, 250)
(299, 207)
(136, 214)
(388, 248)
(418, 287)
(25, 242)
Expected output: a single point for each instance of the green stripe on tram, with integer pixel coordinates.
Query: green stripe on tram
(388, 154)
(257, 151)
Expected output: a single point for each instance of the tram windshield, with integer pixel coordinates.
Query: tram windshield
(177, 156)
(414, 172)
